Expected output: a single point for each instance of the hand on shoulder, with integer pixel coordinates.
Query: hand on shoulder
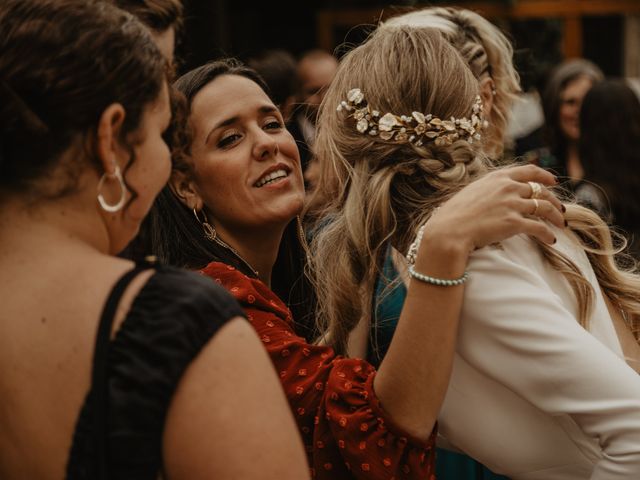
(498, 206)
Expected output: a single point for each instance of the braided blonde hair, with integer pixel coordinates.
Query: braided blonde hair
(487, 52)
(381, 191)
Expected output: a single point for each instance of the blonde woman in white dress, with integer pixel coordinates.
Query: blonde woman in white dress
(540, 386)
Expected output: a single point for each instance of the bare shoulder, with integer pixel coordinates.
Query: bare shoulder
(234, 373)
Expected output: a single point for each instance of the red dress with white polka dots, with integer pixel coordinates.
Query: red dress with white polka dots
(346, 432)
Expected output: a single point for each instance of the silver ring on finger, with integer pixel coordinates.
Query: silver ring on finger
(536, 189)
(536, 206)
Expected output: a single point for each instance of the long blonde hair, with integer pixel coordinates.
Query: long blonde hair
(381, 191)
(486, 50)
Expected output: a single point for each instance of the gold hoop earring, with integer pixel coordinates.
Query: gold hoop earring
(209, 231)
(123, 191)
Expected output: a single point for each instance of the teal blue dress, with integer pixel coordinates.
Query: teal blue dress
(390, 295)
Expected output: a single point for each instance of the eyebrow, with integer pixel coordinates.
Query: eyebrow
(265, 109)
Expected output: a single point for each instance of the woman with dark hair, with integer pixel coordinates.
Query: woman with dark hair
(175, 234)
(108, 369)
(232, 202)
(610, 155)
(562, 97)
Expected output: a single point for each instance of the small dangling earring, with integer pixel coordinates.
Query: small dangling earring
(300, 228)
(209, 231)
(302, 237)
(123, 191)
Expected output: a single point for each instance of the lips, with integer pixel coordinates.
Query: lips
(272, 175)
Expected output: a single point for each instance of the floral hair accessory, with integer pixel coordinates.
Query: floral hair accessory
(416, 128)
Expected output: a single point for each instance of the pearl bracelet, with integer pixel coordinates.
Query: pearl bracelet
(441, 282)
(412, 255)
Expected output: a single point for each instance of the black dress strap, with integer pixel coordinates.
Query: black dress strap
(99, 383)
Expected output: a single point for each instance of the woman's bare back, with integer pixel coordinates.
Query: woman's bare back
(50, 310)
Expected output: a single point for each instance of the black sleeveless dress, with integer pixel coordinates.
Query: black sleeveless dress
(119, 430)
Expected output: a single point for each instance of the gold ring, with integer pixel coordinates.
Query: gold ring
(535, 210)
(536, 189)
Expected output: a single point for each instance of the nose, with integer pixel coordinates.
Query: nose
(265, 146)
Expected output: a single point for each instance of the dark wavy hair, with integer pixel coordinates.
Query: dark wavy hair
(173, 234)
(62, 62)
(610, 147)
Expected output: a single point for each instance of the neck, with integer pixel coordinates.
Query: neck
(259, 249)
(44, 228)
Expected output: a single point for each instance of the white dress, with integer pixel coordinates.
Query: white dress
(533, 395)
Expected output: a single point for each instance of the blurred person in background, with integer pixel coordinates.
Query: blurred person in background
(609, 151)
(278, 70)
(162, 17)
(562, 97)
(315, 71)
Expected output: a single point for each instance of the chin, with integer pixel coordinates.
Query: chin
(298, 206)
(287, 215)
(294, 202)
(285, 219)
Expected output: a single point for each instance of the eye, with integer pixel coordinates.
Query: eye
(273, 124)
(228, 139)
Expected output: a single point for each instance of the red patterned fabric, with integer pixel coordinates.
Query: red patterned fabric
(346, 432)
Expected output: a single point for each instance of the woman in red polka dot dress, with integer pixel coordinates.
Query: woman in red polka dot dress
(230, 212)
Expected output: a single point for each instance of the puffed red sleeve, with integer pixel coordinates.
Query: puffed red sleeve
(346, 432)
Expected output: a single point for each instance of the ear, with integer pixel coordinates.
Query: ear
(184, 188)
(107, 142)
(487, 89)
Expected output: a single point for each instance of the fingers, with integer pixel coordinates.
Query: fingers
(549, 196)
(525, 175)
(538, 229)
(525, 191)
(542, 209)
(499, 205)
(531, 173)
(536, 204)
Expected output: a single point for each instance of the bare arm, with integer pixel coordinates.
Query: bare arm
(413, 378)
(229, 417)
